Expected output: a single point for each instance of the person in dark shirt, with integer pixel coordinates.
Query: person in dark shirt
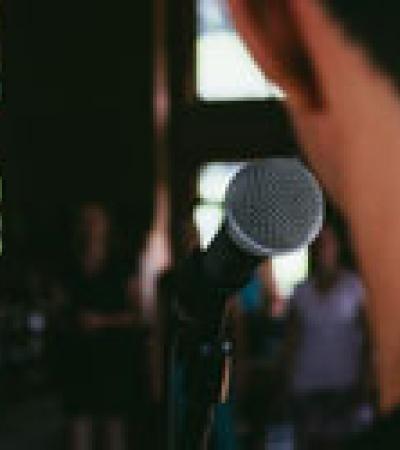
(338, 62)
(102, 362)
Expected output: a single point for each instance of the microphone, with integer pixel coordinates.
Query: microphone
(273, 206)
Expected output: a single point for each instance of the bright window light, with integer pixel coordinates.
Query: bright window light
(225, 69)
(208, 219)
(214, 179)
(290, 270)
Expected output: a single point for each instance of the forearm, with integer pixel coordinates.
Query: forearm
(360, 172)
(352, 139)
(375, 227)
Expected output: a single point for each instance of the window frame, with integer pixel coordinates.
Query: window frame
(201, 131)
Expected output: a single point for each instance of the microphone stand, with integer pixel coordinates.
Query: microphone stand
(206, 363)
(207, 385)
(200, 350)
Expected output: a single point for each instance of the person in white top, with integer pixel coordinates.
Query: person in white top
(328, 347)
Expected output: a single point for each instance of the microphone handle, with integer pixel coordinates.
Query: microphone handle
(226, 264)
(206, 279)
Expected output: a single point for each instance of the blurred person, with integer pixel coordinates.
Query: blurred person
(102, 337)
(257, 311)
(327, 361)
(338, 62)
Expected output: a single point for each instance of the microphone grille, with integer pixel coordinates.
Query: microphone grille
(274, 206)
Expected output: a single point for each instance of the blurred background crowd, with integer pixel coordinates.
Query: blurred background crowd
(115, 168)
(83, 359)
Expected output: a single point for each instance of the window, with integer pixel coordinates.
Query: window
(213, 180)
(224, 68)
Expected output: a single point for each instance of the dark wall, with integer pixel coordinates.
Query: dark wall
(78, 119)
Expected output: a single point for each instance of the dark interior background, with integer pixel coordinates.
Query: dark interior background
(77, 124)
(77, 119)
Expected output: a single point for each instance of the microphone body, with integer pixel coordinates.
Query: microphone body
(273, 206)
(205, 279)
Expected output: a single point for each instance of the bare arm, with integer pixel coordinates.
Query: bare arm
(351, 138)
(275, 304)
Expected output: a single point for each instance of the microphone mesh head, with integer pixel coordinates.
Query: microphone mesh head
(274, 206)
